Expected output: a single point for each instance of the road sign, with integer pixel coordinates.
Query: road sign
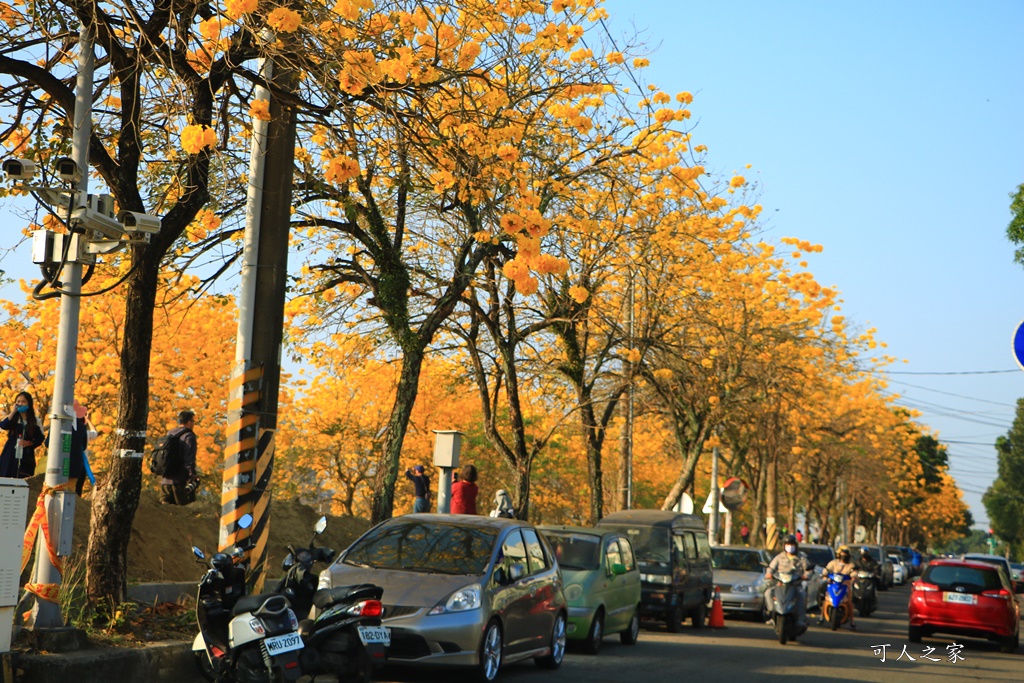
(1018, 344)
(708, 508)
(684, 504)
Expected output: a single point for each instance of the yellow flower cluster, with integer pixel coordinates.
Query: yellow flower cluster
(341, 169)
(614, 58)
(236, 8)
(210, 28)
(196, 138)
(737, 181)
(663, 374)
(284, 20)
(579, 295)
(260, 109)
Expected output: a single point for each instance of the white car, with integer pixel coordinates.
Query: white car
(899, 570)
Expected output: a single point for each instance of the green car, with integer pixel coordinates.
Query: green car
(601, 583)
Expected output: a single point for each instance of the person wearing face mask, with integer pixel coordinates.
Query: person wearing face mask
(18, 458)
(840, 565)
(790, 561)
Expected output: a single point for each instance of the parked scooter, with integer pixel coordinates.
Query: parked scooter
(835, 609)
(345, 641)
(242, 638)
(865, 597)
(788, 615)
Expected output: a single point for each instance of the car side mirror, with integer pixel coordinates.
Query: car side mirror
(618, 569)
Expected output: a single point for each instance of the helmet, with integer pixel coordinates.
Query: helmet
(790, 540)
(865, 551)
(844, 549)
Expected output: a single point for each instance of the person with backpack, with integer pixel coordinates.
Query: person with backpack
(174, 459)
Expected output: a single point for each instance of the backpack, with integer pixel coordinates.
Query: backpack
(167, 458)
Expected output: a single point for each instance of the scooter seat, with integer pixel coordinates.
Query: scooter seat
(325, 597)
(269, 603)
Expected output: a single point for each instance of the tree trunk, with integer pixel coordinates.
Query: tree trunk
(383, 500)
(117, 498)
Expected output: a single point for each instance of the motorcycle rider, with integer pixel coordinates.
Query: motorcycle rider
(790, 561)
(866, 563)
(841, 565)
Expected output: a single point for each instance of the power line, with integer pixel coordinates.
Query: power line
(967, 372)
(948, 393)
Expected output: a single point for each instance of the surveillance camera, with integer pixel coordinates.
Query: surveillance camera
(19, 169)
(69, 170)
(139, 222)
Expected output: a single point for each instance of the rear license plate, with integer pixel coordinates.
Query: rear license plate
(375, 634)
(964, 598)
(277, 645)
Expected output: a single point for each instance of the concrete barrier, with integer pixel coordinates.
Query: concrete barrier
(161, 662)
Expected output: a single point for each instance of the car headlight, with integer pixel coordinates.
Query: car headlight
(573, 591)
(657, 578)
(744, 589)
(461, 600)
(325, 580)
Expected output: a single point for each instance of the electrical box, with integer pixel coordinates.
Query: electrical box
(447, 445)
(48, 248)
(13, 513)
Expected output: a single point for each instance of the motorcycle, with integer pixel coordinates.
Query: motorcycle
(345, 640)
(787, 617)
(835, 610)
(242, 638)
(865, 598)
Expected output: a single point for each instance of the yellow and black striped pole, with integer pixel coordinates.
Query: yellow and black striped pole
(240, 459)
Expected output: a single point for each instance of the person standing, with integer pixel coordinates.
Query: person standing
(172, 484)
(745, 533)
(421, 484)
(18, 458)
(464, 492)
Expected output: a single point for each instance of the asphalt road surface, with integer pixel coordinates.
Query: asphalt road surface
(746, 652)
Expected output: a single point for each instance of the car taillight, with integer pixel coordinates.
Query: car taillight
(927, 587)
(1001, 593)
(367, 608)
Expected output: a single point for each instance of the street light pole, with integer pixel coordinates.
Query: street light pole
(60, 506)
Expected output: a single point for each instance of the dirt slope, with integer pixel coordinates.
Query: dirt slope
(163, 535)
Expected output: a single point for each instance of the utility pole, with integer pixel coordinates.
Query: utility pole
(626, 447)
(60, 505)
(714, 498)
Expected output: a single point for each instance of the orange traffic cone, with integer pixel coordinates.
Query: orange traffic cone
(717, 619)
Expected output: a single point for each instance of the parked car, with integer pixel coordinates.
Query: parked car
(461, 590)
(601, 582)
(966, 598)
(674, 557)
(739, 578)
(1017, 571)
(997, 560)
(885, 566)
(819, 555)
(899, 570)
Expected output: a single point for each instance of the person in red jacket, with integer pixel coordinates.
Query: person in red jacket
(464, 492)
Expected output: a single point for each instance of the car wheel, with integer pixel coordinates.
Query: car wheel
(675, 619)
(631, 634)
(1010, 643)
(592, 645)
(554, 660)
(699, 614)
(914, 633)
(760, 616)
(491, 648)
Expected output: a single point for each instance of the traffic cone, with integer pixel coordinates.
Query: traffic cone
(717, 619)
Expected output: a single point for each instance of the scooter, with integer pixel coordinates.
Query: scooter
(865, 598)
(345, 639)
(835, 610)
(242, 638)
(787, 592)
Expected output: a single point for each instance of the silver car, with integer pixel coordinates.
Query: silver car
(739, 578)
(461, 590)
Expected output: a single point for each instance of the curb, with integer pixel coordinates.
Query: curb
(160, 662)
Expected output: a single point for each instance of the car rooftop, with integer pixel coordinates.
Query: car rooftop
(588, 530)
(462, 520)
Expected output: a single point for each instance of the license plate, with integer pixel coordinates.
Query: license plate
(277, 645)
(375, 635)
(965, 598)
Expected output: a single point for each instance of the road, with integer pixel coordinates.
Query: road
(748, 652)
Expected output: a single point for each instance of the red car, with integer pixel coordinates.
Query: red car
(965, 598)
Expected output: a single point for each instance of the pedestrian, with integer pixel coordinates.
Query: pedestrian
(745, 533)
(464, 492)
(172, 484)
(79, 442)
(421, 484)
(799, 536)
(18, 458)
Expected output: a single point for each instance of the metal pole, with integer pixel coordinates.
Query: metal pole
(713, 529)
(61, 507)
(727, 539)
(629, 401)
(444, 490)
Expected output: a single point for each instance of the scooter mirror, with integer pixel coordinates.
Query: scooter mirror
(245, 521)
(200, 555)
(288, 562)
(321, 524)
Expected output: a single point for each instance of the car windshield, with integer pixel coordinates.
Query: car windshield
(650, 544)
(425, 546)
(875, 553)
(575, 551)
(819, 556)
(736, 560)
(966, 579)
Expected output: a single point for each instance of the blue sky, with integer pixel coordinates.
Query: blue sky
(891, 134)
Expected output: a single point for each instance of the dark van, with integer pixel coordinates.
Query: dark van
(674, 558)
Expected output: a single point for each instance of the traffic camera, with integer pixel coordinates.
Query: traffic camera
(19, 169)
(135, 222)
(69, 170)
